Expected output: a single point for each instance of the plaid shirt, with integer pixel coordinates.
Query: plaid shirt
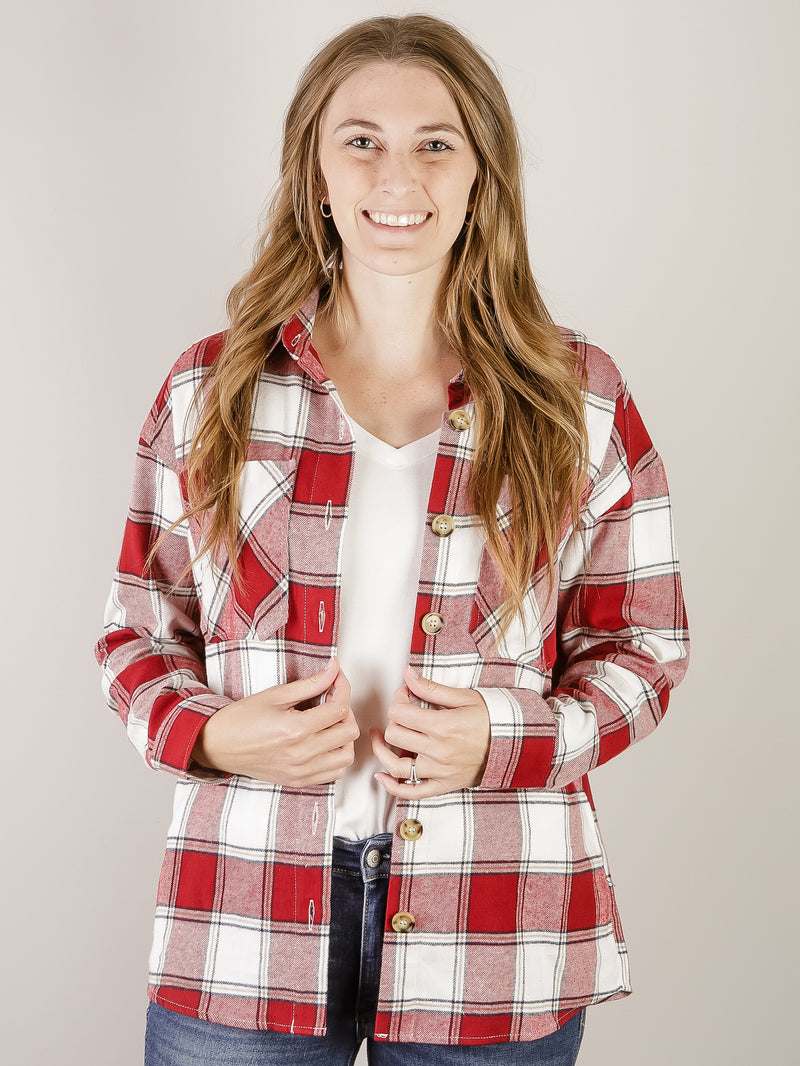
(516, 926)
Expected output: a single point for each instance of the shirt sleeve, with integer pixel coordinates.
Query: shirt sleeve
(621, 636)
(152, 650)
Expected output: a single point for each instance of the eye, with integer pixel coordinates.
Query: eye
(362, 141)
(438, 146)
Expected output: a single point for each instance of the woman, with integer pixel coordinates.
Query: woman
(386, 594)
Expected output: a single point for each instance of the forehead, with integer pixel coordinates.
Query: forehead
(386, 92)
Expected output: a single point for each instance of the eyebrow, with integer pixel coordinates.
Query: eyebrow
(434, 127)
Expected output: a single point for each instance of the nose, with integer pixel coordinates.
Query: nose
(397, 174)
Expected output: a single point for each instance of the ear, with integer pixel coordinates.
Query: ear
(318, 180)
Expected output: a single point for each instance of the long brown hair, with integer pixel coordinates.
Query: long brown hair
(525, 380)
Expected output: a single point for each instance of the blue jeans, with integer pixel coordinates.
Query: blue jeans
(360, 882)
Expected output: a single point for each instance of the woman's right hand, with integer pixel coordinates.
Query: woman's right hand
(276, 736)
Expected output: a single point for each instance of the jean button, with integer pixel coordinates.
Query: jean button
(374, 858)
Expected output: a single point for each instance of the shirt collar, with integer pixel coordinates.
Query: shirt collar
(295, 335)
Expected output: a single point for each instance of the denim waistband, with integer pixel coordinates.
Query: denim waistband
(359, 859)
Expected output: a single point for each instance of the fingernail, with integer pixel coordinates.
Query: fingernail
(412, 671)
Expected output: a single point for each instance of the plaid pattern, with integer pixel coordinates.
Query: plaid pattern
(516, 924)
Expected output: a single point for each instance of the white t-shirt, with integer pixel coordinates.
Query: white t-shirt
(381, 554)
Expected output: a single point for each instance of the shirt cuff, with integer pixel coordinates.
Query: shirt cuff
(522, 743)
(172, 748)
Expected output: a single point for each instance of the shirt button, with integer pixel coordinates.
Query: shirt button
(460, 419)
(403, 922)
(374, 858)
(443, 525)
(432, 623)
(411, 829)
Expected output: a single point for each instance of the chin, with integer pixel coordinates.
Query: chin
(391, 264)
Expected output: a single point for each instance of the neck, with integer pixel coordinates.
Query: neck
(390, 321)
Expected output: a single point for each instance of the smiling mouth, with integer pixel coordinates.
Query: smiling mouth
(414, 218)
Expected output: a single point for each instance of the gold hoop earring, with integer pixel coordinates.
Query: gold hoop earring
(322, 203)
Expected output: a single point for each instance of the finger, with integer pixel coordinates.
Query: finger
(339, 692)
(409, 713)
(396, 765)
(439, 724)
(424, 790)
(434, 693)
(344, 730)
(334, 763)
(412, 716)
(401, 695)
(306, 688)
(325, 769)
(320, 718)
(400, 736)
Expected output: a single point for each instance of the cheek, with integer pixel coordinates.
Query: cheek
(457, 201)
(344, 169)
(457, 193)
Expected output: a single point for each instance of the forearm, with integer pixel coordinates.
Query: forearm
(539, 742)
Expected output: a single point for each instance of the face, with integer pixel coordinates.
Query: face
(398, 169)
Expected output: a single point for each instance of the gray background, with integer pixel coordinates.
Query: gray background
(662, 174)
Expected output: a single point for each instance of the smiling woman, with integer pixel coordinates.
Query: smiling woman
(399, 177)
(398, 572)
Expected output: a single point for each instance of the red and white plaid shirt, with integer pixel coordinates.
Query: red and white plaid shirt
(516, 926)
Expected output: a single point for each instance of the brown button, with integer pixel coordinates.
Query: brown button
(411, 829)
(432, 623)
(403, 922)
(460, 419)
(443, 525)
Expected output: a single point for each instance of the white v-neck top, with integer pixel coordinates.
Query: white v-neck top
(381, 553)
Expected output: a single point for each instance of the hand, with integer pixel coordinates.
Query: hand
(450, 739)
(269, 736)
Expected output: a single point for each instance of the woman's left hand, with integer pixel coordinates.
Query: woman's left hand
(450, 739)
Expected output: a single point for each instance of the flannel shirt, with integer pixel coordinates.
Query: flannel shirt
(516, 926)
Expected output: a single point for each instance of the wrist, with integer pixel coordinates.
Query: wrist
(204, 752)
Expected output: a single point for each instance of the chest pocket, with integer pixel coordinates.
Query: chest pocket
(518, 658)
(257, 604)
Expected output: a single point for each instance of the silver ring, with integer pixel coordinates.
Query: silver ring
(412, 779)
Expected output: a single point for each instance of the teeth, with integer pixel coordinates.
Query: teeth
(398, 220)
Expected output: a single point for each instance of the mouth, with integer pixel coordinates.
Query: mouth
(412, 218)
